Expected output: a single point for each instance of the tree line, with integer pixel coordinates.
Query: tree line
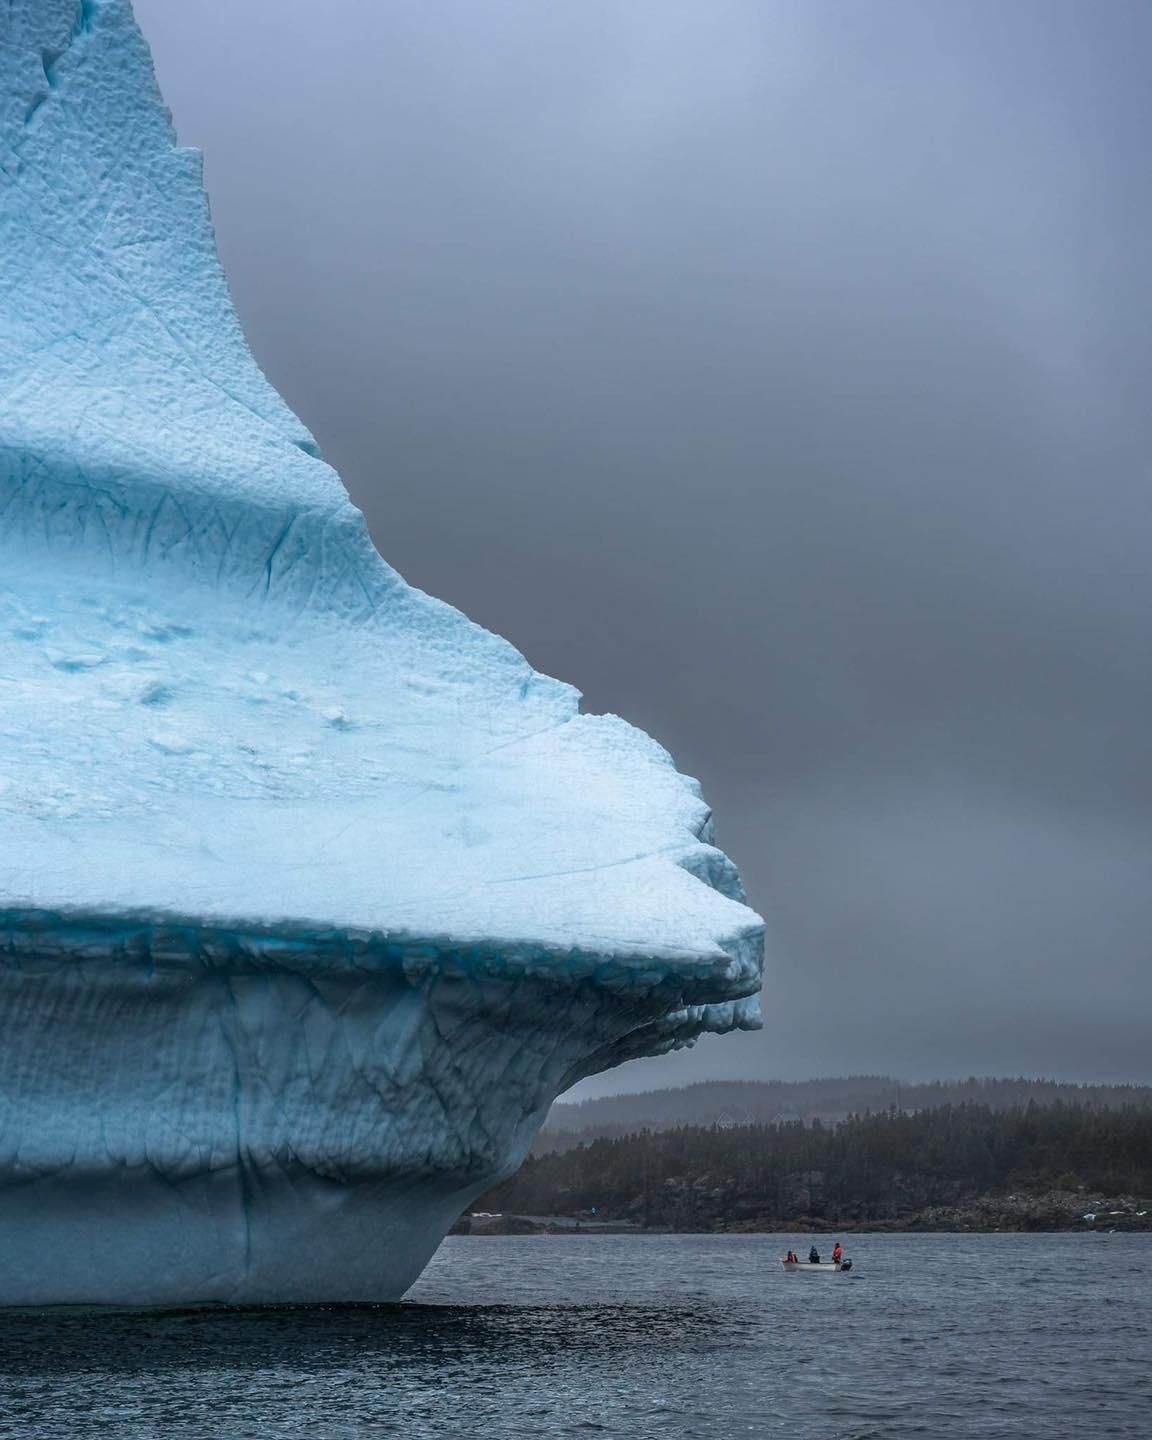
(868, 1167)
(830, 1098)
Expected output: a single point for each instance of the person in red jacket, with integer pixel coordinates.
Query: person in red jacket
(837, 1253)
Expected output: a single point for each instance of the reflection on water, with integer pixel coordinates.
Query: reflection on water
(678, 1336)
(322, 1337)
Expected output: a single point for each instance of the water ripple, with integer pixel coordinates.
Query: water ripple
(980, 1337)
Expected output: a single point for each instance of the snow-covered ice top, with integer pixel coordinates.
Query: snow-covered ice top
(224, 720)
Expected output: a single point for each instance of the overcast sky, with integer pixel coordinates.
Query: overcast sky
(778, 374)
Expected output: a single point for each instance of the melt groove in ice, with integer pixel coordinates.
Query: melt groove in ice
(313, 894)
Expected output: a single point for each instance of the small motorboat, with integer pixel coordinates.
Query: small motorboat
(843, 1265)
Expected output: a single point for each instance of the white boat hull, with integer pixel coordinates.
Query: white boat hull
(806, 1265)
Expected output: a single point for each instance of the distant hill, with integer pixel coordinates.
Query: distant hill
(1032, 1166)
(734, 1103)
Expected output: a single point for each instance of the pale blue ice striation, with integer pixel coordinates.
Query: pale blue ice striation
(313, 894)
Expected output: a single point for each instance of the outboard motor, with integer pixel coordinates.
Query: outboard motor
(846, 1265)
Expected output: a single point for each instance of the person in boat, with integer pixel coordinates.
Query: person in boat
(813, 1256)
(837, 1253)
(792, 1258)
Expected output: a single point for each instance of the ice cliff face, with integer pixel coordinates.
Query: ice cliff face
(313, 894)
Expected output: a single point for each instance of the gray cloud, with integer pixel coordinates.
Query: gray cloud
(776, 372)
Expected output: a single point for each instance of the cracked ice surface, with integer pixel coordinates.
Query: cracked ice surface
(312, 893)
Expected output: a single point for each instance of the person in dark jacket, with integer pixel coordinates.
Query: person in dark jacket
(813, 1256)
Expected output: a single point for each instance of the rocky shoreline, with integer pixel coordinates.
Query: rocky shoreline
(1054, 1211)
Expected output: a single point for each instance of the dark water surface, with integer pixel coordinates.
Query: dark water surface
(674, 1336)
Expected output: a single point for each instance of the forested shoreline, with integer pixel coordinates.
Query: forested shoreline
(967, 1166)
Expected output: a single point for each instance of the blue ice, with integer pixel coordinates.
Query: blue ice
(313, 894)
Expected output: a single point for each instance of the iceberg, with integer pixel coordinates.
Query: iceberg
(313, 894)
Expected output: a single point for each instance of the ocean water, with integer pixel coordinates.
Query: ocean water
(686, 1337)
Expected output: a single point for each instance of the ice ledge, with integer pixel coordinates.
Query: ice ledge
(37, 939)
